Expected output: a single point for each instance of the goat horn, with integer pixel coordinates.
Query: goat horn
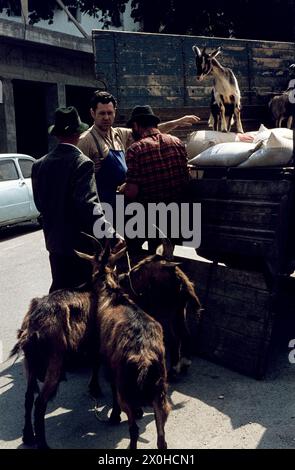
(114, 257)
(90, 258)
(197, 51)
(94, 240)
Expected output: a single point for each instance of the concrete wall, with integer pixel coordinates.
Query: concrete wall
(36, 56)
(61, 23)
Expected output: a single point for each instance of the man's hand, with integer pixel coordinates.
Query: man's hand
(245, 138)
(121, 189)
(187, 121)
(184, 121)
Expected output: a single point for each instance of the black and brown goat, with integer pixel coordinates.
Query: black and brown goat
(226, 96)
(162, 289)
(55, 326)
(132, 346)
(282, 109)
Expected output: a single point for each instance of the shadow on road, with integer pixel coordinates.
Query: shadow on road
(72, 421)
(13, 231)
(270, 403)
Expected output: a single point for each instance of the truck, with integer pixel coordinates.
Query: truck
(247, 256)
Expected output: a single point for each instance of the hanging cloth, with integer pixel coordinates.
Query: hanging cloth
(111, 174)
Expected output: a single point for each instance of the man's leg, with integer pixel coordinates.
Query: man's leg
(68, 272)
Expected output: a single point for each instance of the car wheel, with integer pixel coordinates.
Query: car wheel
(40, 221)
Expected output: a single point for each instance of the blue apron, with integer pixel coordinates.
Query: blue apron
(111, 174)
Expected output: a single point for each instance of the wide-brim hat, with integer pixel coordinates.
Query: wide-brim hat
(145, 112)
(67, 122)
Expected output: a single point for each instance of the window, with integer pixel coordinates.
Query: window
(26, 167)
(8, 171)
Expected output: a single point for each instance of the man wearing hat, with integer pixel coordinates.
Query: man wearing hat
(157, 162)
(65, 194)
(106, 145)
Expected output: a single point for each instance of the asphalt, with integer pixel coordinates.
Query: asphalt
(212, 406)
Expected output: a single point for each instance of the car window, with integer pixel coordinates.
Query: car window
(8, 171)
(26, 167)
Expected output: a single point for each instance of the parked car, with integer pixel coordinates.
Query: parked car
(16, 195)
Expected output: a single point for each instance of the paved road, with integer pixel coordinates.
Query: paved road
(213, 407)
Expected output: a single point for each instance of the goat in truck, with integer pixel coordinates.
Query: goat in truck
(226, 96)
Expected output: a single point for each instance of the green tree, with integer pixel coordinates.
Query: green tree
(106, 10)
(253, 19)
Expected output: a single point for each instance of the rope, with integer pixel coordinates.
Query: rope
(129, 276)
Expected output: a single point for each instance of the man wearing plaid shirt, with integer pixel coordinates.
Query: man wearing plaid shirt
(157, 163)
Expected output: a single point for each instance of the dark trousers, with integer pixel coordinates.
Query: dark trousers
(68, 272)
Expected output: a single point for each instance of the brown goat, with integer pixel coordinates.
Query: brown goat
(131, 344)
(282, 109)
(163, 290)
(55, 326)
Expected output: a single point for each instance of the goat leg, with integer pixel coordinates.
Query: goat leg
(28, 433)
(161, 414)
(115, 417)
(238, 119)
(174, 348)
(185, 341)
(133, 428)
(223, 120)
(94, 387)
(40, 410)
(48, 391)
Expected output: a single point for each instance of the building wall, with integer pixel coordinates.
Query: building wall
(63, 25)
(42, 67)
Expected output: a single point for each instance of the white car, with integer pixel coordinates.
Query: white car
(16, 195)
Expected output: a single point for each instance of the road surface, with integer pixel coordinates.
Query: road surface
(213, 407)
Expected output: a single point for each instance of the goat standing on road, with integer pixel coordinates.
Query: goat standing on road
(132, 346)
(55, 326)
(160, 287)
(226, 96)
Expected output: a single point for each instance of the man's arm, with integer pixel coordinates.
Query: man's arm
(184, 121)
(86, 199)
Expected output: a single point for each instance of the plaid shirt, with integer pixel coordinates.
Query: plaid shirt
(157, 163)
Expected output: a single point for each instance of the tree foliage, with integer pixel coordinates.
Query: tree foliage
(108, 11)
(253, 19)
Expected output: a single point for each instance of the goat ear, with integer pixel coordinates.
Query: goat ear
(216, 52)
(90, 258)
(197, 51)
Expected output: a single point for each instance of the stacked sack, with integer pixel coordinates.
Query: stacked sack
(274, 148)
(270, 147)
